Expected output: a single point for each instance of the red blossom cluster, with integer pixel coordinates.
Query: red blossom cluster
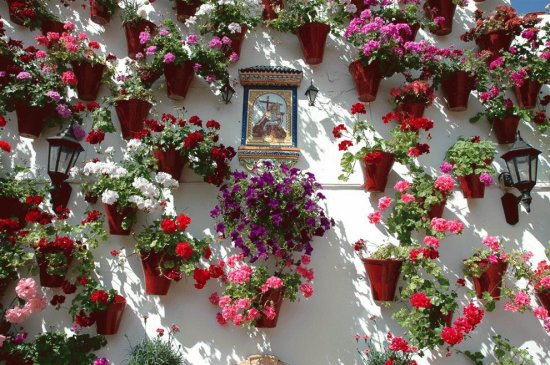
(472, 316)
(420, 300)
(99, 296)
(38, 216)
(60, 243)
(91, 217)
(170, 226)
(95, 136)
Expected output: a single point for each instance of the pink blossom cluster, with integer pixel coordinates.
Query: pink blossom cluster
(441, 225)
(444, 183)
(27, 290)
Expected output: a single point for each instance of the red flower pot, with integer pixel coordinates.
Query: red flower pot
(436, 210)
(527, 94)
(406, 36)
(115, 218)
(383, 276)
(269, 12)
(12, 207)
(108, 321)
(16, 360)
(13, 13)
(99, 14)
(441, 8)
(48, 280)
(491, 279)
(506, 128)
(437, 318)
(360, 5)
(4, 329)
(457, 87)
(544, 298)
(313, 37)
(169, 161)
(51, 26)
(273, 297)
(415, 110)
(89, 77)
(90, 198)
(367, 79)
(186, 10)
(495, 42)
(155, 281)
(32, 119)
(132, 114)
(132, 31)
(178, 78)
(376, 174)
(471, 187)
(237, 41)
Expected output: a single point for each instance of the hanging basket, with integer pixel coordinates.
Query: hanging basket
(132, 31)
(457, 87)
(132, 115)
(495, 42)
(505, 128)
(115, 217)
(471, 186)
(412, 109)
(108, 321)
(436, 210)
(491, 279)
(527, 94)
(14, 18)
(169, 161)
(48, 280)
(273, 297)
(185, 9)
(383, 277)
(89, 77)
(31, 120)
(51, 26)
(155, 281)
(441, 8)
(178, 79)
(269, 12)
(367, 79)
(99, 14)
(376, 174)
(543, 298)
(312, 37)
(237, 41)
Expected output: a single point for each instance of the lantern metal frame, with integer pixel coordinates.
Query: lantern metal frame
(311, 93)
(227, 92)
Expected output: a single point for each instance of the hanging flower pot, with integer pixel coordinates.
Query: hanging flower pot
(169, 161)
(89, 77)
(132, 114)
(132, 31)
(115, 217)
(237, 41)
(90, 198)
(51, 26)
(367, 79)
(313, 37)
(408, 37)
(5, 327)
(544, 298)
(274, 298)
(360, 5)
(186, 9)
(527, 94)
(48, 280)
(12, 207)
(14, 17)
(436, 210)
(178, 78)
(98, 13)
(108, 321)
(269, 12)
(491, 279)
(437, 318)
(155, 281)
(471, 186)
(412, 109)
(457, 87)
(505, 128)
(32, 119)
(441, 8)
(495, 42)
(383, 276)
(376, 173)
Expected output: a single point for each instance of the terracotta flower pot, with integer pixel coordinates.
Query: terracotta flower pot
(527, 94)
(383, 277)
(406, 36)
(89, 77)
(115, 218)
(471, 187)
(169, 161)
(108, 321)
(544, 298)
(491, 279)
(441, 8)
(457, 87)
(367, 79)
(415, 110)
(186, 10)
(155, 281)
(376, 174)
(312, 37)
(272, 297)
(48, 280)
(495, 42)
(237, 41)
(178, 79)
(269, 12)
(13, 208)
(436, 210)
(506, 128)
(31, 120)
(51, 26)
(132, 31)
(132, 114)
(99, 14)
(437, 318)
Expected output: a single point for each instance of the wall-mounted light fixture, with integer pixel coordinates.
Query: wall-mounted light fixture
(311, 93)
(227, 93)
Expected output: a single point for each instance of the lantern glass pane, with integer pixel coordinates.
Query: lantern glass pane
(312, 95)
(534, 167)
(52, 164)
(512, 169)
(523, 167)
(65, 159)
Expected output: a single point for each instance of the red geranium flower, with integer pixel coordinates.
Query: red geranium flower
(358, 108)
(5, 146)
(451, 336)
(184, 249)
(212, 124)
(344, 145)
(195, 120)
(95, 136)
(193, 139)
(420, 300)
(99, 296)
(372, 157)
(183, 222)
(168, 226)
(337, 131)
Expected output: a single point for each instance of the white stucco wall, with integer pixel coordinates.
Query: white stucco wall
(319, 330)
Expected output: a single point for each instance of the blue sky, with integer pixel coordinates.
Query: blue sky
(525, 6)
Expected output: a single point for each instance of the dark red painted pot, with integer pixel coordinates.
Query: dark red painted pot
(527, 94)
(495, 42)
(108, 321)
(367, 79)
(273, 297)
(237, 41)
(132, 31)
(457, 87)
(415, 110)
(312, 37)
(406, 36)
(132, 114)
(376, 174)
(170, 161)
(48, 280)
(185, 10)
(5, 327)
(178, 79)
(115, 218)
(89, 77)
(506, 128)
(13, 16)
(99, 14)
(436, 210)
(544, 298)
(52, 26)
(383, 277)
(441, 8)
(269, 12)
(471, 187)
(32, 119)
(90, 198)
(13, 208)
(491, 279)
(360, 5)
(437, 318)
(155, 281)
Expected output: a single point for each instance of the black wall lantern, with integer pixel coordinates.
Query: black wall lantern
(63, 153)
(227, 93)
(311, 94)
(522, 163)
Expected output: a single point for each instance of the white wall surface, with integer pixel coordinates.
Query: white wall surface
(319, 330)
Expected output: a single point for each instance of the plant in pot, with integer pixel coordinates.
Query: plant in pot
(413, 97)
(134, 22)
(27, 301)
(503, 352)
(101, 11)
(175, 142)
(540, 281)
(27, 13)
(13, 255)
(396, 351)
(311, 21)
(211, 61)
(276, 222)
(95, 304)
(185, 9)
(377, 155)
(9, 47)
(169, 253)
(49, 22)
(441, 12)
(157, 350)
(470, 160)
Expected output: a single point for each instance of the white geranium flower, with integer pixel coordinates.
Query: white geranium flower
(138, 201)
(142, 13)
(109, 150)
(74, 172)
(191, 21)
(234, 28)
(204, 9)
(24, 175)
(166, 180)
(133, 145)
(109, 197)
(147, 188)
(350, 8)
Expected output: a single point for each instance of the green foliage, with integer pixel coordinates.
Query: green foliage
(297, 13)
(471, 156)
(503, 352)
(170, 43)
(155, 352)
(215, 17)
(22, 183)
(82, 301)
(129, 11)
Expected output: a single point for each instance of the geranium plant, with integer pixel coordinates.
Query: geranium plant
(28, 300)
(503, 352)
(297, 13)
(417, 91)
(393, 349)
(157, 350)
(472, 156)
(227, 18)
(93, 298)
(13, 255)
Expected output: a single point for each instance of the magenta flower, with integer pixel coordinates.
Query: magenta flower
(192, 39)
(64, 111)
(215, 43)
(151, 50)
(446, 167)
(234, 57)
(197, 67)
(101, 361)
(486, 179)
(164, 31)
(23, 75)
(54, 95)
(169, 58)
(144, 37)
(79, 133)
